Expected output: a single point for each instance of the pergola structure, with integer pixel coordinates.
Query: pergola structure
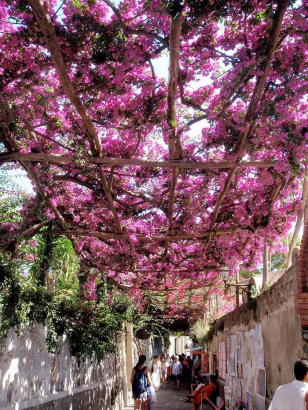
(158, 183)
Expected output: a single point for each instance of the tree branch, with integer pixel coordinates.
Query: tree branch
(257, 95)
(128, 30)
(51, 40)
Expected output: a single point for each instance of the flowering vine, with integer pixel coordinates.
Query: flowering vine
(112, 148)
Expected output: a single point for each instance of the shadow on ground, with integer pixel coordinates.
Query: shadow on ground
(169, 399)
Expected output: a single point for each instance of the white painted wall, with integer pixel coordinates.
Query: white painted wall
(178, 345)
(29, 375)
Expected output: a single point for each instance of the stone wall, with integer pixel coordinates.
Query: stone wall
(35, 379)
(276, 311)
(302, 296)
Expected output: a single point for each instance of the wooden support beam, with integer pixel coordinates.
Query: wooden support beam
(174, 143)
(33, 229)
(141, 237)
(254, 101)
(175, 174)
(130, 162)
(11, 145)
(50, 37)
(265, 266)
(237, 290)
(176, 270)
(44, 21)
(300, 216)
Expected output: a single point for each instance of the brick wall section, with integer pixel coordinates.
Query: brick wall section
(302, 296)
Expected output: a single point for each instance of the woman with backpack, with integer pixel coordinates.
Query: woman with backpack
(141, 380)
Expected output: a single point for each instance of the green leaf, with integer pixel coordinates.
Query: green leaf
(78, 4)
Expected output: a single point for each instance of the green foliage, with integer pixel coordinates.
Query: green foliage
(40, 284)
(167, 342)
(12, 198)
(203, 332)
(114, 393)
(152, 323)
(254, 292)
(59, 261)
(94, 327)
(277, 261)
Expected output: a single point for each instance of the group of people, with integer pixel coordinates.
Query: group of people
(147, 381)
(175, 369)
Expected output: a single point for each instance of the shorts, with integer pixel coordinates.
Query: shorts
(164, 373)
(176, 377)
(141, 396)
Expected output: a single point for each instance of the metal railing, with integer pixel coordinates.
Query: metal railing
(206, 404)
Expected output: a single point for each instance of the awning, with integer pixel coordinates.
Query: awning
(196, 350)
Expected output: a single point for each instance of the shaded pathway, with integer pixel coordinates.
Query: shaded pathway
(169, 399)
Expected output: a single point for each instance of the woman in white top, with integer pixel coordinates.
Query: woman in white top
(156, 373)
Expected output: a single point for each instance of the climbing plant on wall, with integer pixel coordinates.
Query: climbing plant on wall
(93, 326)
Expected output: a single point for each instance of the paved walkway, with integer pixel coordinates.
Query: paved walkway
(168, 399)
(171, 399)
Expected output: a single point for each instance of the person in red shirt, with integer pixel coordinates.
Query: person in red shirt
(204, 391)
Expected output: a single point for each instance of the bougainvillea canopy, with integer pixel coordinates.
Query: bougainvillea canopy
(166, 138)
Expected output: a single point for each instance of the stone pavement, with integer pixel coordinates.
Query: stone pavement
(168, 399)
(171, 399)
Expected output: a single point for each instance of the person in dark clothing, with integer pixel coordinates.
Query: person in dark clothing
(196, 380)
(186, 375)
(190, 363)
(203, 391)
(141, 380)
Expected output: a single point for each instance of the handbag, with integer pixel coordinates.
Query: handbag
(153, 393)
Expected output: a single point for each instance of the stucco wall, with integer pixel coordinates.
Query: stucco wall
(275, 310)
(35, 379)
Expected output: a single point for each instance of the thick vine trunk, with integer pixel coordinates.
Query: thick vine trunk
(265, 266)
(44, 278)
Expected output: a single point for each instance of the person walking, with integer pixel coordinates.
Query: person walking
(141, 381)
(293, 395)
(176, 373)
(156, 373)
(169, 369)
(186, 372)
(165, 366)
